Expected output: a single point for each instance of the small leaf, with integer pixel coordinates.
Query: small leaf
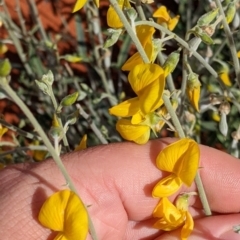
(207, 18)
(69, 100)
(113, 37)
(43, 87)
(48, 78)
(5, 68)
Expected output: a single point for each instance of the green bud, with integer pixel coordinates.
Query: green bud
(131, 13)
(48, 78)
(69, 100)
(230, 11)
(207, 18)
(112, 38)
(71, 58)
(5, 68)
(43, 87)
(171, 62)
(206, 38)
(223, 125)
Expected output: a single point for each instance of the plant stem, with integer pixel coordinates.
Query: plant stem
(130, 30)
(6, 87)
(231, 42)
(182, 43)
(179, 129)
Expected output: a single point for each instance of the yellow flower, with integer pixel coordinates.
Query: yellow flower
(181, 159)
(113, 19)
(147, 81)
(83, 143)
(138, 133)
(193, 90)
(225, 78)
(144, 34)
(80, 3)
(172, 217)
(163, 18)
(65, 213)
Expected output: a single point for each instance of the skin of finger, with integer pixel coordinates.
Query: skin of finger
(210, 228)
(116, 179)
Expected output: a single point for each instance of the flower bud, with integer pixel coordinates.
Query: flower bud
(224, 108)
(193, 89)
(223, 126)
(5, 68)
(230, 12)
(207, 18)
(171, 62)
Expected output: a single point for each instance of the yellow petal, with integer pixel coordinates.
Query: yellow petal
(137, 118)
(134, 60)
(194, 96)
(225, 79)
(113, 19)
(173, 22)
(144, 33)
(144, 74)
(83, 143)
(137, 133)
(3, 48)
(78, 5)
(151, 97)
(126, 109)
(162, 13)
(170, 217)
(187, 165)
(167, 186)
(64, 212)
(187, 227)
(180, 158)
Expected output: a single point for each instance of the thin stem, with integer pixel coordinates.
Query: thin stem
(130, 30)
(231, 42)
(173, 115)
(91, 124)
(6, 87)
(179, 129)
(182, 43)
(140, 10)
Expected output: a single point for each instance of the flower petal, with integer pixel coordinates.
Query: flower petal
(144, 33)
(78, 5)
(170, 217)
(187, 166)
(144, 74)
(113, 19)
(187, 227)
(162, 13)
(167, 186)
(134, 60)
(151, 97)
(126, 109)
(169, 156)
(64, 212)
(137, 133)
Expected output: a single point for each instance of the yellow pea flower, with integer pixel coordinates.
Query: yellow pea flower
(148, 82)
(137, 133)
(144, 34)
(163, 18)
(193, 90)
(172, 217)
(65, 213)
(113, 19)
(181, 159)
(83, 143)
